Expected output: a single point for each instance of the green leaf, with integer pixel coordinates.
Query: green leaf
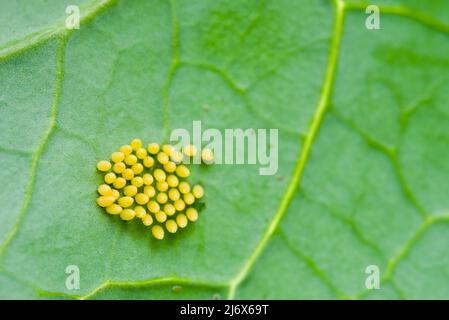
(363, 146)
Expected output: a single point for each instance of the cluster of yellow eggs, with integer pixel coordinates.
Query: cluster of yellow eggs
(150, 184)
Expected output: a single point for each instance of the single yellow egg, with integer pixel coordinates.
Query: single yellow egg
(172, 181)
(169, 209)
(141, 153)
(149, 191)
(137, 181)
(137, 168)
(189, 150)
(182, 171)
(192, 214)
(167, 149)
(125, 202)
(162, 186)
(153, 206)
(159, 175)
(184, 187)
(103, 165)
(104, 190)
(198, 191)
(110, 177)
(148, 162)
(158, 232)
(140, 211)
(179, 205)
(128, 174)
(162, 158)
(176, 156)
(189, 198)
(114, 209)
(160, 216)
(119, 183)
(115, 194)
(130, 159)
(162, 198)
(147, 220)
(119, 167)
(171, 226)
(117, 156)
(153, 148)
(127, 214)
(130, 190)
(105, 201)
(147, 179)
(136, 144)
(207, 156)
(173, 194)
(170, 166)
(142, 198)
(126, 149)
(181, 220)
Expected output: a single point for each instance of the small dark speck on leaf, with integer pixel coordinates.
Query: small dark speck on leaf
(176, 289)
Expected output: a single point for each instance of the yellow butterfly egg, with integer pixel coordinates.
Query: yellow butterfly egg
(125, 202)
(147, 220)
(173, 194)
(130, 190)
(189, 198)
(167, 149)
(127, 214)
(142, 198)
(181, 220)
(149, 191)
(110, 177)
(119, 167)
(147, 179)
(207, 156)
(105, 201)
(126, 149)
(198, 191)
(162, 158)
(192, 214)
(158, 232)
(176, 156)
(117, 156)
(169, 209)
(115, 194)
(141, 153)
(103, 165)
(162, 186)
(172, 181)
(162, 198)
(119, 183)
(182, 171)
(140, 212)
(130, 159)
(137, 181)
(136, 144)
(170, 167)
(104, 190)
(160, 216)
(179, 205)
(128, 174)
(114, 209)
(137, 168)
(159, 175)
(153, 148)
(171, 226)
(184, 187)
(189, 150)
(153, 206)
(148, 162)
